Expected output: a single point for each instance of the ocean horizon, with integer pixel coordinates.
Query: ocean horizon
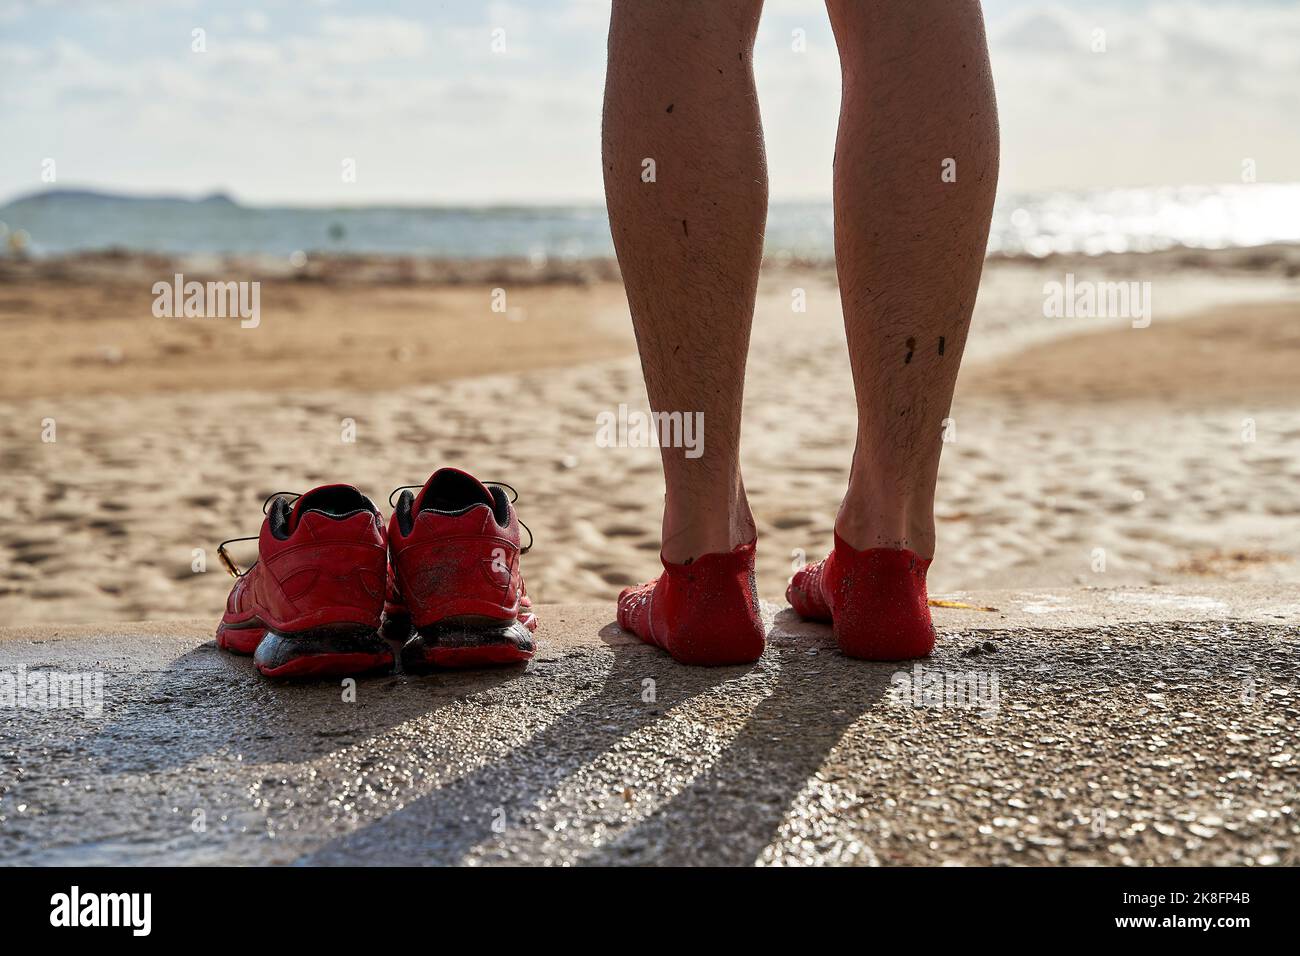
(1141, 219)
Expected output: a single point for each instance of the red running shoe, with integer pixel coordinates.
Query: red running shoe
(455, 587)
(311, 605)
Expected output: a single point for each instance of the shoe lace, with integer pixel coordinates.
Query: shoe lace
(224, 556)
(509, 489)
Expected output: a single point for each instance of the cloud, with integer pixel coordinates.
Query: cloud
(362, 39)
(1176, 91)
(1182, 92)
(1040, 32)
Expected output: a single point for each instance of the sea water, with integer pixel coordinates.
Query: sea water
(1031, 224)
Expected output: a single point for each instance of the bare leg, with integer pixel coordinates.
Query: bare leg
(681, 108)
(680, 93)
(917, 92)
(915, 174)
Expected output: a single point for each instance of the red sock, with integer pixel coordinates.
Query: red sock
(701, 612)
(875, 601)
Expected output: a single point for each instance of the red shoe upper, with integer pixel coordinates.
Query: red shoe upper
(320, 562)
(454, 551)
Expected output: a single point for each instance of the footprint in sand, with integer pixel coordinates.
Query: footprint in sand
(623, 531)
(790, 522)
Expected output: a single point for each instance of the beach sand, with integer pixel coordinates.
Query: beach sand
(1086, 451)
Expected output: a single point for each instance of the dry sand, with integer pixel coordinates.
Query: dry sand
(1169, 453)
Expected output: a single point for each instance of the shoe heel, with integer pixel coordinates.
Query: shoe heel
(336, 651)
(469, 641)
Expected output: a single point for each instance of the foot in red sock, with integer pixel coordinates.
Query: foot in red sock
(702, 612)
(874, 600)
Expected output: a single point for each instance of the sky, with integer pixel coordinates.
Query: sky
(415, 95)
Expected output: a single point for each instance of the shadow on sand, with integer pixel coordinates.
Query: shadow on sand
(725, 814)
(207, 701)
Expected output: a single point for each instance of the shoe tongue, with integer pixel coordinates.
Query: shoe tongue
(333, 500)
(452, 490)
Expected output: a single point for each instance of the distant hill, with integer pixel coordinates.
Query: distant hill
(80, 197)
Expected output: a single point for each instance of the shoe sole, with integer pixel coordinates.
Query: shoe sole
(336, 651)
(239, 640)
(468, 642)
